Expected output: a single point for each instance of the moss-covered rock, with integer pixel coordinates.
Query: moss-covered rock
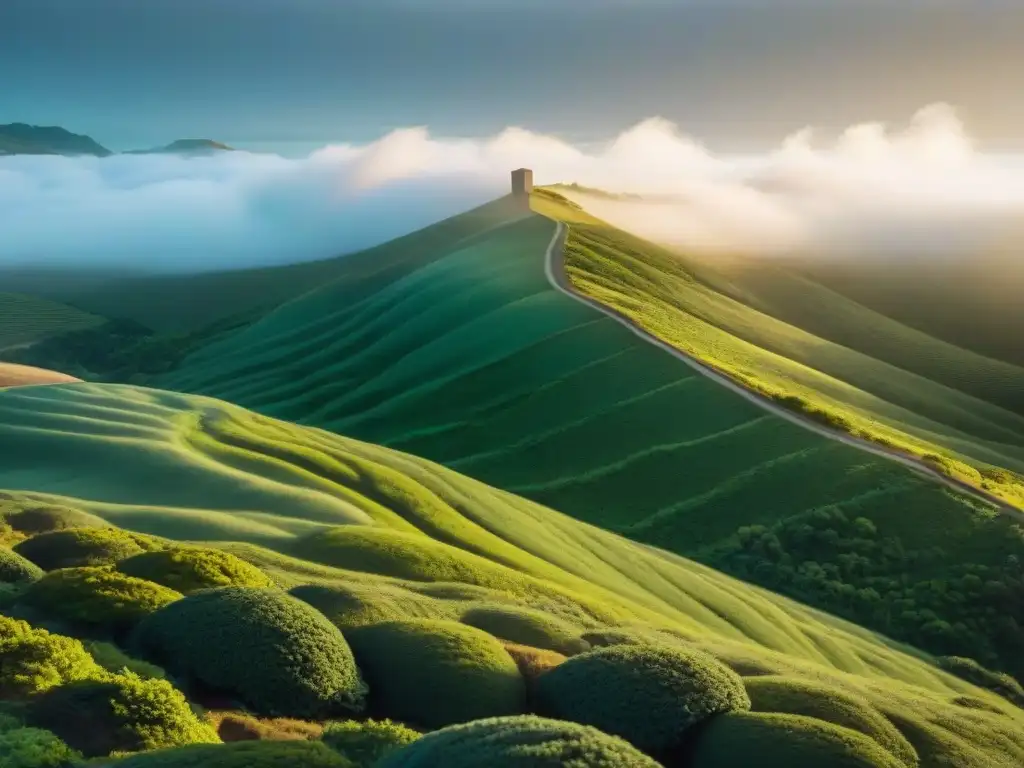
(274, 652)
(122, 713)
(97, 597)
(242, 754)
(188, 570)
(80, 547)
(742, 739)
(366, 742)
(435, 673)
(649, 695)
(527, 627)
(518, 742)
(34, 748)
(797, 697)
(34, 660)
(15, 569)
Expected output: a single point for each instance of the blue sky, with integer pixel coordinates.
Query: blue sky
(141, 72)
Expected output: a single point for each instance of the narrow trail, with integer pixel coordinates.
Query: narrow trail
(554, 268)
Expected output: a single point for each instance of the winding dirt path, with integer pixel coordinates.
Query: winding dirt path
(554, 268)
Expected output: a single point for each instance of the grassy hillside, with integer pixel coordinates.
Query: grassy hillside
(187, 303)
(22, 375)
(468, 357)
(786, 336)
(28, 319)
(372, 537)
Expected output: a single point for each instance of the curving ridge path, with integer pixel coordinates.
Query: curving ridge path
(554, 268)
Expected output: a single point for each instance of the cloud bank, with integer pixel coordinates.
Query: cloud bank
(918, 190)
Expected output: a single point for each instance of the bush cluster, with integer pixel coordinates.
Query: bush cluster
(80, 547)
(742, 739)
(97, 597)
(274, 652)
(17, 569)
(188, 570)
(925, 596)
(527, 627)
(647, 694)
(518, 742)
(435, 673)
(34, 660)
(121, 713)
(241, 754)
(798, 697)
(367, 742)
(34, 748)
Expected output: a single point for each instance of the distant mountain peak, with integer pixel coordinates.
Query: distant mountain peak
(187, 147)
(25, 139)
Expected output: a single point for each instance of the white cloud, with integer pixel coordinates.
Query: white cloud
(923, 189)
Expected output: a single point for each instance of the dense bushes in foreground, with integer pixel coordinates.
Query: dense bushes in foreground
(14, 568)
(242, 754)
(34, 748)
(648, 695)
(367, 742)
(34, 660)
(519, 742)
(437, 673)
(275, 653)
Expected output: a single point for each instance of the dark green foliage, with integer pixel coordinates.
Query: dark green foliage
(122, 713)
(78, 547)
(15, 568)
(527, 627)
(926, 596)
(192, 569)
(113, 659)
(44, 518)
(34, 660)
(242, 754)
(744, 739)
(797, 697)
(34, 748)
(519, 742)
(97, 597)
(436, 673)
(649, 695)
(277, 654)
(367, 742)
(973, 672)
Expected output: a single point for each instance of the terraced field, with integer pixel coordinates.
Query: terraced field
(396, 537)
(27, 319)
(772, 327)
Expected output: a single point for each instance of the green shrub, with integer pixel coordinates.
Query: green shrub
(277, 654)
(435, 673)
(242, 754)
(743, 739)
(648, 695)
(348, 606)
(50, 517)
(518, 742)
(15, 568)
(188, 570)
(527, 627)
(34, 660)
(367, 742)
(34, 748)
(797, 697)
(998, 682)
(97, 597)
(78, 547)
(114, 660)
(122, 713)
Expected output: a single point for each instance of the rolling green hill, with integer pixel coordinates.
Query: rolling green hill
(467, 356)
(28, 319)
(373, 536)
(787, 336)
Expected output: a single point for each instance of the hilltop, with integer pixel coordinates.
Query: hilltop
(186, 147)
(457, 586)
(23, 139)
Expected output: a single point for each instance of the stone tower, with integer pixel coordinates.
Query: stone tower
(522, 184)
